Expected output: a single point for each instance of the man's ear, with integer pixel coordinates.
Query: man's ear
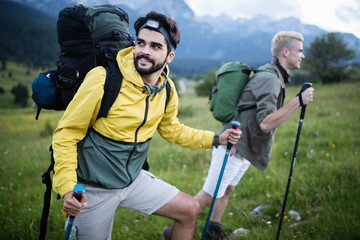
(285, 52)
(170, 57)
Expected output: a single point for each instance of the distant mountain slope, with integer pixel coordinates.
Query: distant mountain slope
(218, 39)
(27, 35)
(26, 13)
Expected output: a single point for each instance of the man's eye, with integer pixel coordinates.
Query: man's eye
(156, 46)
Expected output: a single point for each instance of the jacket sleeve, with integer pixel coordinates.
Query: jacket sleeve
(78, 116)
(174, 132)
(265, 89)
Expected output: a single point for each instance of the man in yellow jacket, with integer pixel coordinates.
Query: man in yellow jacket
(106, 155)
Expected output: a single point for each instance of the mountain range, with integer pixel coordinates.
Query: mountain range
(219, 38)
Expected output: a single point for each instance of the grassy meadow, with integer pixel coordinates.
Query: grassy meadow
(325, 187)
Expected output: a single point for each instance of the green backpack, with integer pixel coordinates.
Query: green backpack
(230, 81)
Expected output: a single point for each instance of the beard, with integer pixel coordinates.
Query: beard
(150, 70)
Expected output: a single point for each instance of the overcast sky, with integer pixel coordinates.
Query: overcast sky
(330, 15)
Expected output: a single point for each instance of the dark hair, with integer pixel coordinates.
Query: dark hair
(166, 22)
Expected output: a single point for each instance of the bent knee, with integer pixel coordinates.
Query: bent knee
(193, 207)
(229, 190)
(190, 211)
(183, 208)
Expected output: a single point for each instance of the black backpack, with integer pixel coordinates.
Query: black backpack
(88, 37)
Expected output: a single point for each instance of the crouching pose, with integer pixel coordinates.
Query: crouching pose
(106, 155)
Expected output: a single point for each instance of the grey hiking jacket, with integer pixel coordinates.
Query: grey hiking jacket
(263, 94)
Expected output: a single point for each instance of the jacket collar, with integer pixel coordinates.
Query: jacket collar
(282, 70)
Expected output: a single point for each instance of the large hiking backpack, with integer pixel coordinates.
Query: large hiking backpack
(88, 37)
(229, 83)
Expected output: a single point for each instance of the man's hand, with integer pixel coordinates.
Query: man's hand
(73, 206)
(229, 135)
(307, 95)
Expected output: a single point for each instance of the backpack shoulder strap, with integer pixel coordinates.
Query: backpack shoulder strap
(38, 112)
(112, 85)
(168, 92)
(270, 70)
(240, 110)
(46, 179)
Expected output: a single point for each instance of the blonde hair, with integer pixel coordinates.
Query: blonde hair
(283, 40)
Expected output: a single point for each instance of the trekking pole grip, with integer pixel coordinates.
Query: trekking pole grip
(235, 125)
(79, 189)
(305, 86)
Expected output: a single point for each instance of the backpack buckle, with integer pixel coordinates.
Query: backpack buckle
(108, 54)
(96, 43)
(117, 35)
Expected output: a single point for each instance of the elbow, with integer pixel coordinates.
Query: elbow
(265, 128)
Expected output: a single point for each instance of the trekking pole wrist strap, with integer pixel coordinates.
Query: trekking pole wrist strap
(216, 142)
(303, 88)
(300, 99)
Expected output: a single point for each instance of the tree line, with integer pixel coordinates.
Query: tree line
(35, 45)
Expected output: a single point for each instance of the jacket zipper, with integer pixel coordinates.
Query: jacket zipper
(136, 135)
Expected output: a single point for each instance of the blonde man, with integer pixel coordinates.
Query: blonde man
(261, 110)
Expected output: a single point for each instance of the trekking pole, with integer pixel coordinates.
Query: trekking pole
(302, 115)
(235, 125)
(79, 189)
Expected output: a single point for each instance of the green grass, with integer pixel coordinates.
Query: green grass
(325, 187)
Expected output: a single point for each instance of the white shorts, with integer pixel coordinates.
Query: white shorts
(234, 170)
(146, 195)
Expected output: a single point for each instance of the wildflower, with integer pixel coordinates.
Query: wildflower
(273, 148)
(32, 225)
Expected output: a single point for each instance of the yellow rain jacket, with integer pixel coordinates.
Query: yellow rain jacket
(111, 154)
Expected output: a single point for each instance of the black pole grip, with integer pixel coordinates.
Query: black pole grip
(305, 86)
(77, 193)
(78, 197)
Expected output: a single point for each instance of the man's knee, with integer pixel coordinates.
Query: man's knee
(229, 190)
(187, 209)
(193, 208)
